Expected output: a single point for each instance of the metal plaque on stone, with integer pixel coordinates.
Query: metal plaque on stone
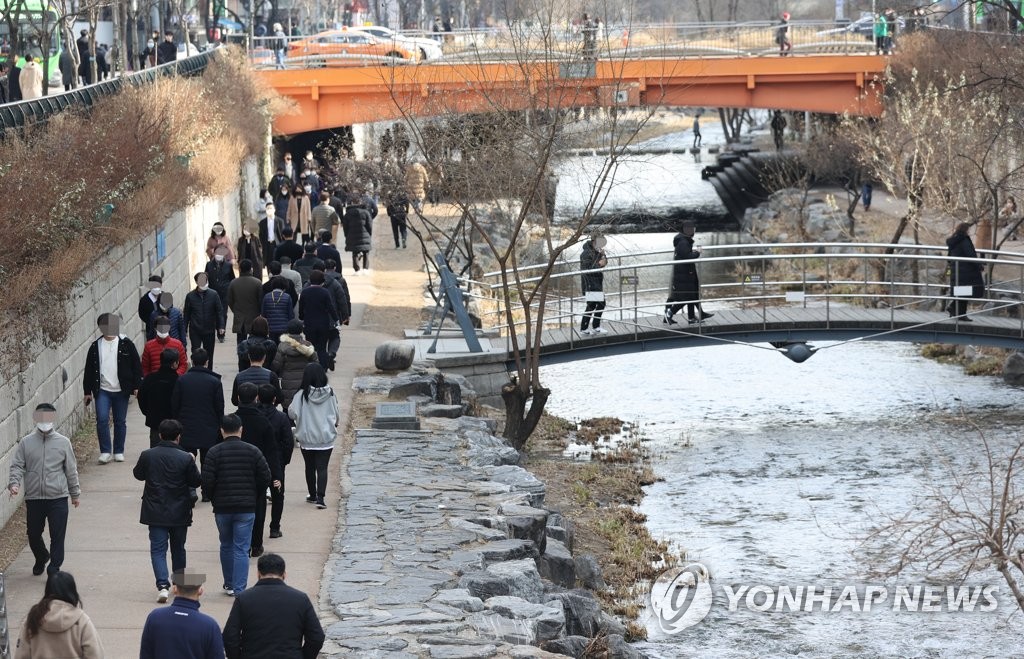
(396, 415)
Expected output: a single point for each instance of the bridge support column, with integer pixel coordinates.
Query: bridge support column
(485, 375)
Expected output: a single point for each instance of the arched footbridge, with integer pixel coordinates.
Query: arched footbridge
(784, 297)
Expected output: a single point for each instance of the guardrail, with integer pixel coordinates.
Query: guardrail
(828, 275)
(749, 39)
(17, 115)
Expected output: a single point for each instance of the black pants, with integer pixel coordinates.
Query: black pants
(399, 227)
(204, 341)
(593, 310)
(316, 472)
(154, 437)
(39, 513)
(261, 520)
(268, 253)
(358, 257)
(682, 299)
(319, 338)
(276, 505)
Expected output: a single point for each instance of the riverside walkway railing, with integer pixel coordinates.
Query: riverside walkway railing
(839, 281)
(14, 116)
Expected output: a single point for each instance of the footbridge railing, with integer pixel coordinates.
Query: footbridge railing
(896, 287)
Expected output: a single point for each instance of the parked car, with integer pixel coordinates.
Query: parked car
(429, 49)
(349, 42)
(864, 26)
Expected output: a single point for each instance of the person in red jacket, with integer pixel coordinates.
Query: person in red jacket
(163, 341)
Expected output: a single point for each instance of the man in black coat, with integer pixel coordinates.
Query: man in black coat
(113, 373)
(235, 474)
(171, 476)
(157, 392)
(271, 232)
(84, 57)
(685, 283)
(269, 398)
(198, 403)
(272, 620)
(167, 52)
(147, 303)
(256, 430)
(289, 247)
(319, 315)
(204, 315)
(325, 250)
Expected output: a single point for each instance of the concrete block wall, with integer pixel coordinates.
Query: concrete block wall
(114, 283)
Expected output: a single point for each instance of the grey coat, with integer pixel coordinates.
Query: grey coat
(245, 299)
(48, 466)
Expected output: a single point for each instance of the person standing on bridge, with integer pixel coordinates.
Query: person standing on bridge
(279, 44)
(685, 283)
(881, 32)
(593, 258)
(782, 35)
(963, 273)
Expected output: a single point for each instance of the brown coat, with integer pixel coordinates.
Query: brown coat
(66, 632)
(416, 179)
(300, 213)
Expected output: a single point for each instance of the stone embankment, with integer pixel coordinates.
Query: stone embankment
(446, 549)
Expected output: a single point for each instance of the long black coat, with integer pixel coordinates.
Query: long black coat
(591, 258)
(156, 394)
(256, 430)
(358, 229)
(169, 473)
(964, 273)
(198, 404)
(685, 284)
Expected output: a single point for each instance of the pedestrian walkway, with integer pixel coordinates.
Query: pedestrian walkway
(108, 549)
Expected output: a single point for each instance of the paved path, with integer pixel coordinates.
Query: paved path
(108, 550)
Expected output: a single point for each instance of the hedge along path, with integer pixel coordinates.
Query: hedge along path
(148, 152)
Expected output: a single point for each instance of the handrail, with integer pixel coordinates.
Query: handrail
(17, 115)
(908, 277)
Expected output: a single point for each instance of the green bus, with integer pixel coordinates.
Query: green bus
(37, 24)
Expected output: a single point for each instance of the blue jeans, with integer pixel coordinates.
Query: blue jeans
(279, 59)
(235, 531)
(105, 402)
(159, 536)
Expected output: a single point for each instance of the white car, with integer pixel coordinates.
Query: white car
(429, 49)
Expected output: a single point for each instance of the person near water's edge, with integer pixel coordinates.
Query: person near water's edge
(685, 282)
(591, 258)
(963, 273)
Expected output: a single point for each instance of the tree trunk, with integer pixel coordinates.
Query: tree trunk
(520, 422)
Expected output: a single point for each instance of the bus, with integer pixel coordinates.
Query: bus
(37, 22)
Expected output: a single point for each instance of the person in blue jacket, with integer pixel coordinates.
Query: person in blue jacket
(180, 631)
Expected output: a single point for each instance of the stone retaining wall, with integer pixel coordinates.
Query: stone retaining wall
(113, 284)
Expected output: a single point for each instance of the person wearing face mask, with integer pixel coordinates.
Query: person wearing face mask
(204, 315)
(162, 341)
(300, 212)
(112, 376)
(45, 461)
(281, 202)
(250, 248)
(220, 274)
(219, 238)
(270, 230)
(147, 303)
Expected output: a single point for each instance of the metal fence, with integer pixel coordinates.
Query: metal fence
(829, 276)
(14, 116)
(5, 633)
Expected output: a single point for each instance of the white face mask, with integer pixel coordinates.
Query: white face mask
(307, 188)
(218, 257)
(219, 231)
(44, 427)
(155, 292)
(204, 287)
(246, 233)
(163, 335)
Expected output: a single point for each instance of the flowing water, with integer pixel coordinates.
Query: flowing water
(774, 471)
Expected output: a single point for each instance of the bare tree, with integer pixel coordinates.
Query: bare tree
(497, 171)
(975, 524)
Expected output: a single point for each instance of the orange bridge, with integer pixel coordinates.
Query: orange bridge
(340, 96)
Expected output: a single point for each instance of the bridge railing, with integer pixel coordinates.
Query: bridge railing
(510, 42)
(830, 276)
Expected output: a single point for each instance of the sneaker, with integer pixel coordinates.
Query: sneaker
(104, 458)
(311, 499)
(40, 566)
(163, 595)
(600, 330)
(119, 457)
(255, 552)
(320, 504)
(268, 494)
(704, 315)
(228, 590)
(588, 332)
(276, 533)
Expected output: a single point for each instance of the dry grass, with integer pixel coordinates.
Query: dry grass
(103, 176)
(598, 497)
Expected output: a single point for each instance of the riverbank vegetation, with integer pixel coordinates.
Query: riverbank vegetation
(599, 495)
(105, 175)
